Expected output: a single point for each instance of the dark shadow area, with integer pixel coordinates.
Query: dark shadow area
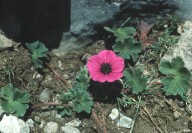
(105, 92)
(32, 20)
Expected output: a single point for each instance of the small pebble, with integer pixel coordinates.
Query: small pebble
(44, 96)
(114, 114)
(37, 119)
(30, 123)
(51, 127)
(66, 76)
(68, 129)
(73, 123)
(125, 121)
(176, 114)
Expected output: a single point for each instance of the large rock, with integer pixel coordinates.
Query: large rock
(5, 42)
(184, 47)
(87, 16)
(184, 9)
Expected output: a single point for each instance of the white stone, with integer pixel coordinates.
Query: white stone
(125, 121)
(5, 42)
(11, 124)
(51, 127)
(73, 123)
(68, 129)
(44, 96)
(30, 122)
(114, 114)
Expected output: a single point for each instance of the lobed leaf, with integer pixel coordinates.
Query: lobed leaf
(38, 51)
(177, 80)
(128, 49)
(14, 101)
(134, 80)
(77, 95)
(122, 33)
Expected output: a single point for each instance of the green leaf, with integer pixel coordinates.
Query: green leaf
(177, 80)
(64, 111)
(38, 51)
(77, 95)
(83, 102)
(128, 49)
(134, 80)
(122, 33)
(14, 101)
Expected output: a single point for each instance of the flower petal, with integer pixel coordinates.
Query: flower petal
(106, 56)
(98, 77)
(114, 76)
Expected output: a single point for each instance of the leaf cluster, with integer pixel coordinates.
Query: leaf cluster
(126, 46)
(77, 96)
(177, 80)
(38, 52)
(14, 101)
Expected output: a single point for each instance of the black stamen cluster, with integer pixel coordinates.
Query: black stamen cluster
(106, 68)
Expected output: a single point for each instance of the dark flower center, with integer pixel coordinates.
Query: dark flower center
(106, 68)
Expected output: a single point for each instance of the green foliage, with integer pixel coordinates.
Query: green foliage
(169, 21)
(164, 41)
(126, 101)
(177, 77)
(64, 111)
(134, 80)
(77, 96)
(14, 101)
(38, 52)
(128, 49)
(162, 45)
(8, 71)
(122, 33)
(125, 45)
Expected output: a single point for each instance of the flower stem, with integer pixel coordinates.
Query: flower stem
(136, 114)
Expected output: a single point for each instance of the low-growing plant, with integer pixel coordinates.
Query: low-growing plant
(122, 33)
(129, 49)
(77, 97)
(177, 79)
(164, 44)
(7, 71)
(126, 45)
(164, 41)
(169, 21)
(14, 101)
(38, 52)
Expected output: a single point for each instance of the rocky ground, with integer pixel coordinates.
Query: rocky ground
(157, 113)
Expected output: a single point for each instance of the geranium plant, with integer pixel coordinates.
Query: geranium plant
(38, 52)
(14, 101)
(177, 80)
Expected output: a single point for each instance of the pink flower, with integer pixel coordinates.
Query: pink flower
(105, 66)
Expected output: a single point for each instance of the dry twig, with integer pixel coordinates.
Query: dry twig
(152, 120)
(58, 76)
